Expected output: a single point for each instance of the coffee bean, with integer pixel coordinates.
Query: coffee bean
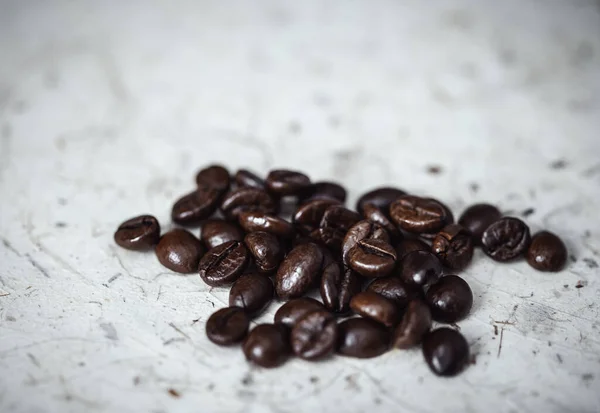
(449, 220)
(547, 252)
(253, 221)
(477, 218)
(179, 251)
(420, 268)
(380, 198)
(308, 216)
(336, 221)
(214, 176)
(446, 351)
(284, 182)
(418, 215)
(362, 338)
(215, 232)
(139, 233)
(299, 271)
(252, 292)
(314, 335)
(454, 246)
(338, 287)
(395, 290)
(227, 326)
(224, 264)
(415, 323)
(450, 299)
(408, 245)
(266, 250)
(195, 206)
(292, 311)
(506, 239)
(267, 345)
(247, 199)
(360, 231)
(325, 190)
(374, 214)
(376, 307)
(372, 258)
(245, 178)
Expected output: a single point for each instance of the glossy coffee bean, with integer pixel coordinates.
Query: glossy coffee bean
(362, 230)
(395, 290)
(195, 206)
(415, 323)
(420, 268)
(374, 214)
(314, 336)
(214, 176)
(247, 199)
(284, 182)
(376, 307)
(215, 232)
(408, 245)
(379, 197)
(266, 250)
(224, 264)
(477, 218)
(251, 292)
(418, 215)
(245, 178)
(506, 239)
(179, 251)
(429, 236)
(139, 233)
(299, 271)
(325, 190)
(362, 338)
(336, 221)
(547, 252)
(308, 216)
(338, 287)
(450, 299)
(227, 326)
(292, 311)
(267, 345)
(453, 245)
(372, 258)
(446, 351)
(253, 221)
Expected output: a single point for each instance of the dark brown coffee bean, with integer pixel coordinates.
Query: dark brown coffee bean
(506, 239)
(374, 214)
(266, 250)
(394, 289)
(195, 206)
(453, 245)
(252, 292)
(338, 287)
(419, 215)
(547, 252)
(376, 307)
(139, 233)
(408, 245)
(283, 182)
(429, 236)
(245, 178)
(446, 351)
(253, 221)
(215, 232)
(362, 230)
(227, 326)
(299, 271)
(179, 251)
(308, 216)
(372, 258)
(325, 190)
(314, 336)
(450, 299)
(292, 311)
(267, 345)
(362, 338)
(379, 197)
(336, 221)
(224, 264)
(477, 218)
(415, 323)
(214, 176)
(420, 268)
(247, 199)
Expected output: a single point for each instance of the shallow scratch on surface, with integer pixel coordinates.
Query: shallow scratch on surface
(9, 247)
(34, 360)
(174, 327)
(37, 266)
(114, 277)
(116, 255)
(109, 329)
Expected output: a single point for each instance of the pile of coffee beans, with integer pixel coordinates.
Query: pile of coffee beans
(387, 270)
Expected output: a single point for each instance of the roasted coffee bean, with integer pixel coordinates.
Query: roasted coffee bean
(362, 230)
(446, 351)
(266, 250)
(450, 299)
(408, 245)
(372, 258)
(179, 251)
(419, 215)
(379, 197)
(308, 216)
(227, 326)
(292, 311)
(253, 221)
(215, 232)
(314, 336)
(245, 178)
(415, 323)
(477, 218)
(506, 239)
(338, 287)
(267, 345)
(299, 271)
(195, 206)
(376, 307)
(374, 214)
(453, 245)
(252, 292)
(214, 176)
(449, 220)
(547, 252)
(420, 268)
(224, 264)
(325, 190)
(394, 289)
(247, 199)
(283, 182)
(362, 338)
(139, 233)
(336, 221)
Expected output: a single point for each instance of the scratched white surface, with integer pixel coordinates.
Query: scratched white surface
(108, 108)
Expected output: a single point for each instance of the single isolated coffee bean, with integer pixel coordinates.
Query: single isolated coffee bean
(195, 206)
(506, 239)
(284, 182)
(267, 345)
(292, 311)
(364, 229)
(338, 288)
(227, 326)
(477, 218)
(547, 252)
(266, 250)
(325, 190)
(179, 251)
(362, 338)
(449, 220)
(376, 307)
(299, 271)
(379, 197)
(215, 232)
(247, 199)
(214, 176)
(251, 292)
(372, 258)
(418, 215)
(450, 299)
(395, 290)
(253, 221)
(453, 245)
(314, 336)
(446, 351)
(308, 216)
(420, 268)
(374, 214)
(408, 245)
(415, 323)
(336, 221)
(224, 264)
(139, 233)
(245, 178)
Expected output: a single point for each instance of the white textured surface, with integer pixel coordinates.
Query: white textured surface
(107, 109)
